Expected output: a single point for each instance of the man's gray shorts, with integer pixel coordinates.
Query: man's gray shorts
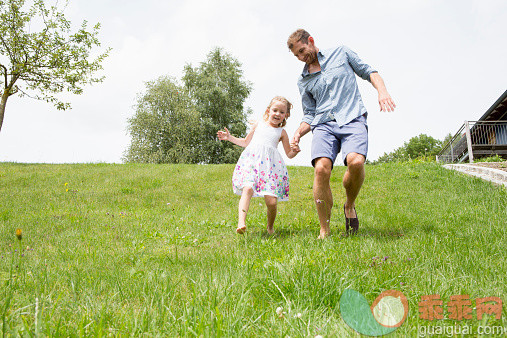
(329, 139)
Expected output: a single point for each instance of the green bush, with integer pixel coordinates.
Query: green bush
(495, 158)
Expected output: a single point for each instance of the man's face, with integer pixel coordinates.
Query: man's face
(306, 52)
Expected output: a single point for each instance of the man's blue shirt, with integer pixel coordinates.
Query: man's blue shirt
(332, 93)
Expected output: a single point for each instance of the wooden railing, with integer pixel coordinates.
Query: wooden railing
(476, 139)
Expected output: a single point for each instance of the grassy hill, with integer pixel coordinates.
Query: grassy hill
(150, 249)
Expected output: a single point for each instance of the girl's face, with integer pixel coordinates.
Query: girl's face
(276, 113)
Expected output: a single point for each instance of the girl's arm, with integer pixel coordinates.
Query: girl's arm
(291, 152)
(242, 142)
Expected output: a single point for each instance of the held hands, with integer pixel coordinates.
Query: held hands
(294, 148)
(295, 139)
(223, 135)
(294, 145)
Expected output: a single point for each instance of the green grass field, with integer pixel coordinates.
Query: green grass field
(151, 250)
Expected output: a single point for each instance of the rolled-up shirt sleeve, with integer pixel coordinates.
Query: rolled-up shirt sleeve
(362, 69)
(309, 105)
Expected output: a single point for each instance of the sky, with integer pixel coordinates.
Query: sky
(443, 62)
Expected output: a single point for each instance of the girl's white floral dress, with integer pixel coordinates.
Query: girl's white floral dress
(261, 166)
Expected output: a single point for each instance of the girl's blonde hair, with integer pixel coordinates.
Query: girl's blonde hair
(284, 101)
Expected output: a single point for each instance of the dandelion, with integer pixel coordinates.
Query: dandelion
(19, 234)
(279, 311)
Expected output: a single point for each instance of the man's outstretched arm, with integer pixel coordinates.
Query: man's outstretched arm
(384, 99)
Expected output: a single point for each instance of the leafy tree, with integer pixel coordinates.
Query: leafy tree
(41, 63)
(421, 146)
(397, 155)
(218, 92)
(178, 123)
(166, 128)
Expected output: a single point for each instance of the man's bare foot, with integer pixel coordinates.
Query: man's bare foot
(241, 229)
(271, 230)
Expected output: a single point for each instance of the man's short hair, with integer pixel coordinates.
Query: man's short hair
(299, 35)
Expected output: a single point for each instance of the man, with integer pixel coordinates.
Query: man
(334, 112)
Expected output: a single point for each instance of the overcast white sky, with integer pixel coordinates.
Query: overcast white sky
(443, 62)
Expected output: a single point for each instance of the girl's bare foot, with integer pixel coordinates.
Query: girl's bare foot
(241, 229)
(324, 233)
(271, 230)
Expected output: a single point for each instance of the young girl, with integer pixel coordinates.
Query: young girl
(260, 170)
